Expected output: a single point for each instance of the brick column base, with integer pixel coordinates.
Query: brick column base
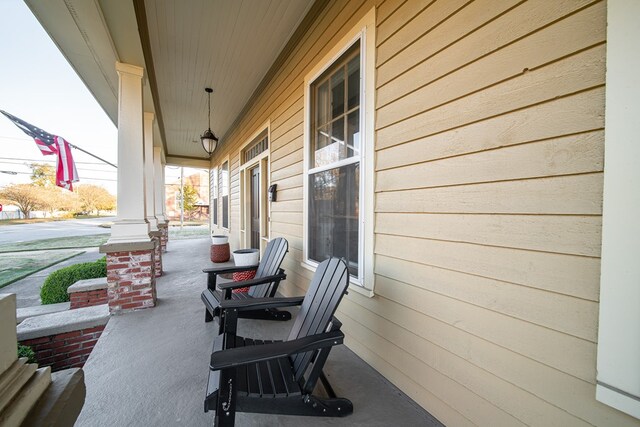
(164, 235)
(156, 236)
(131, 276)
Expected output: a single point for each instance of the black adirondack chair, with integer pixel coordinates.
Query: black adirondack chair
(264, 284)
(279, 377)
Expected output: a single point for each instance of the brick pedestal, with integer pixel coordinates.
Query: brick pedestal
(131, 276)
(164, 235)
(156, 236)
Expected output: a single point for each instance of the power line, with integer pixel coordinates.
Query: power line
(47, 160)
(85, 169)
(53, 176)
(71, 145)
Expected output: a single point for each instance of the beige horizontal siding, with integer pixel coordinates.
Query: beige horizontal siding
(489, 168)
(558, 117)
(560, 195)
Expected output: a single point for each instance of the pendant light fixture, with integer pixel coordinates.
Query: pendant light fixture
(209, 139)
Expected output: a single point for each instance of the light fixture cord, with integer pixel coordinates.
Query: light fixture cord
(209, 110)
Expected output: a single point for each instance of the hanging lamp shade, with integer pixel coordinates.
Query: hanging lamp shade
(209, 139)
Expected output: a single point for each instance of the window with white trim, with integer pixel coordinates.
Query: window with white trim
(224, 193)
(334, 167)
(214, 196)
(339, 156)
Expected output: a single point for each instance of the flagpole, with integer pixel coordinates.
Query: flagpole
(92, 155)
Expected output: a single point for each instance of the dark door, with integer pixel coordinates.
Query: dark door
(255, 207)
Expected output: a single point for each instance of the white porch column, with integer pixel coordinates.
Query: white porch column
(164, 196)
(131, 224)
(149, 174)
(158, 173)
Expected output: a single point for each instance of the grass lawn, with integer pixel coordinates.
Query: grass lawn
(29, 221)
(50, 219)
(57, 243)
(191, 232)
(15, 266)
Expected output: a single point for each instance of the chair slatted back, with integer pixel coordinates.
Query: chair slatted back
(269, 265)
(327, 288)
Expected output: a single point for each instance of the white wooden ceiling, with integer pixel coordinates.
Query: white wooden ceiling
(228, 45)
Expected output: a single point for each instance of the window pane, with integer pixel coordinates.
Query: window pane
(328, 150)
(215, 211)
(337, 138)
(214, 195)
(224, 191)
(322, 104)
(353, 82)
(225, 211)
(337, 93)
(353, 133)
(322, 137)
(333, 215)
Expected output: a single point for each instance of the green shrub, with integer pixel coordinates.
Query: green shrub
(26, 351)
(54, 289)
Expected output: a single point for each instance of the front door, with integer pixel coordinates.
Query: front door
(255, 207)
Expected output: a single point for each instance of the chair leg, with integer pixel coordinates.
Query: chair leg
(208, 317)
(226, 405)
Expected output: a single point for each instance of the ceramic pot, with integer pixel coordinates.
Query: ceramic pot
(220, 251)
(241, 258)
(219, 239)
(244, 257)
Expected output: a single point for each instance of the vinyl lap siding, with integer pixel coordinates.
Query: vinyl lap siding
(489, 159)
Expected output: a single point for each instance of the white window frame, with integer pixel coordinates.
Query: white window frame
(214, 190)
(618, 363)
(226, 160)
(261, 159)
(364, 31)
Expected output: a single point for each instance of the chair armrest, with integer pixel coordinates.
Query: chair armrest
(260, 303)
(252, 282)
(240, 356)
(225, 270)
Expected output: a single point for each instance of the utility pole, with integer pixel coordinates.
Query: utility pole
(181, 197)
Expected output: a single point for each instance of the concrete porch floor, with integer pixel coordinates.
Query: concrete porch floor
(150, 367)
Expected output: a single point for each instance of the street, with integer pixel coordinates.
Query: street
(47, 230)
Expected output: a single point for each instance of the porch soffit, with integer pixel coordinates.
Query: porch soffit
(92, 36)
(183, 47)
(226, 45)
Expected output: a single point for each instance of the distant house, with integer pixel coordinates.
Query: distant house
(459, 154)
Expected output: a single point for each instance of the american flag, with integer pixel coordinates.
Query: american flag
(66, 172)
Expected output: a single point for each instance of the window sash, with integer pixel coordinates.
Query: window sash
(328, 118)
(224, 190)
(214, 196)
(355, 158)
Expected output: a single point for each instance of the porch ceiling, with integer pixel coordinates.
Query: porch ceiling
(184, 47)
(226, 45)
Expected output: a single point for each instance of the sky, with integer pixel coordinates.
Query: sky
(38, 85)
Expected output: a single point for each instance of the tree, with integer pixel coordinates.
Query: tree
(26, 197)
(190, 199)
(43, 175)
(95, 198)
(57, 199)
